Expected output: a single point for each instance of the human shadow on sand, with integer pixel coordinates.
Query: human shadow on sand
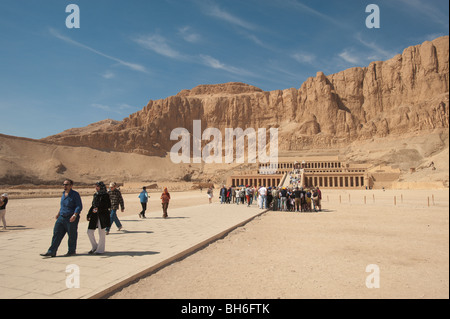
(176, 217)
(319, 211)
(128, 253)
(18, 227)
(124, 231)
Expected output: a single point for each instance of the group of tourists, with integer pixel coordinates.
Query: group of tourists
(295, 199)
(102, 215)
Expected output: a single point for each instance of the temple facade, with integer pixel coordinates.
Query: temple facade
(325, 172)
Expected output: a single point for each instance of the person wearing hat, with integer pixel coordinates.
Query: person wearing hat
(66, 221)
(3, 202)
(99, 217)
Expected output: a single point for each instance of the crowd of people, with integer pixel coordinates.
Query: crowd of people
(101, 216)
(102, 213)
(293, 199)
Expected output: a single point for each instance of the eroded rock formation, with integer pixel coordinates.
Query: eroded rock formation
(405, 94)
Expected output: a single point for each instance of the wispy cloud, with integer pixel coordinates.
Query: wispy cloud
(108, 75)
(380, 53)
(215, 11)
(297, 5)
(132, 66)
(367, 52)
(160, 45)
(425, 8)
(216, 64)
(119, 109)
(304, 57)
(350, 57)
(189, 35)
(104, 107)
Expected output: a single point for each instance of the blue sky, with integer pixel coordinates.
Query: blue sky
(126, 53)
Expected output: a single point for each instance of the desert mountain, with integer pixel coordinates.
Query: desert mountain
(406, 94)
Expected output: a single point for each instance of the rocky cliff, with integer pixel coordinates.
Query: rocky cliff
(406, 94)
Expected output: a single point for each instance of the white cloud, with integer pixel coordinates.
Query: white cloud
(428, 11)
(125, 106)
(158, 44)
(350, 57)
(431, 37)
(304, 8)
(102, 107)
(119, 109)
(132, 66)
(216, 64)
(108, 75)
(380, 53)
(304, 57)
(188, 35)
(215, 11)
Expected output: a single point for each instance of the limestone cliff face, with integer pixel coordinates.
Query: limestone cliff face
(405, 94)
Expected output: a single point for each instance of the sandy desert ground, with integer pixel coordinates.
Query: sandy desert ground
(295, 256)
(325, 255)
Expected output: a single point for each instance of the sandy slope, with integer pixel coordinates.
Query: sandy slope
(28, 161)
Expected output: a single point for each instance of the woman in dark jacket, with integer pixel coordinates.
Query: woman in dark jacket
(99, 217)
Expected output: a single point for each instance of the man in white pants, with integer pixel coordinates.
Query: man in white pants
(99, 218)
(263, 193)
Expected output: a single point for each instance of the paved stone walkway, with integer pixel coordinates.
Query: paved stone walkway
(145, 246)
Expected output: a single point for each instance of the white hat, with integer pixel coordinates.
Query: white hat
(5, 195)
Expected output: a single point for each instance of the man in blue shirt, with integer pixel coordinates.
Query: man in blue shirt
(143, 197)
(66, 221)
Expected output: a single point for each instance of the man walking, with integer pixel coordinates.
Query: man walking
(165, 199)
(143, 197)
(66, 221)
(116, 199)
